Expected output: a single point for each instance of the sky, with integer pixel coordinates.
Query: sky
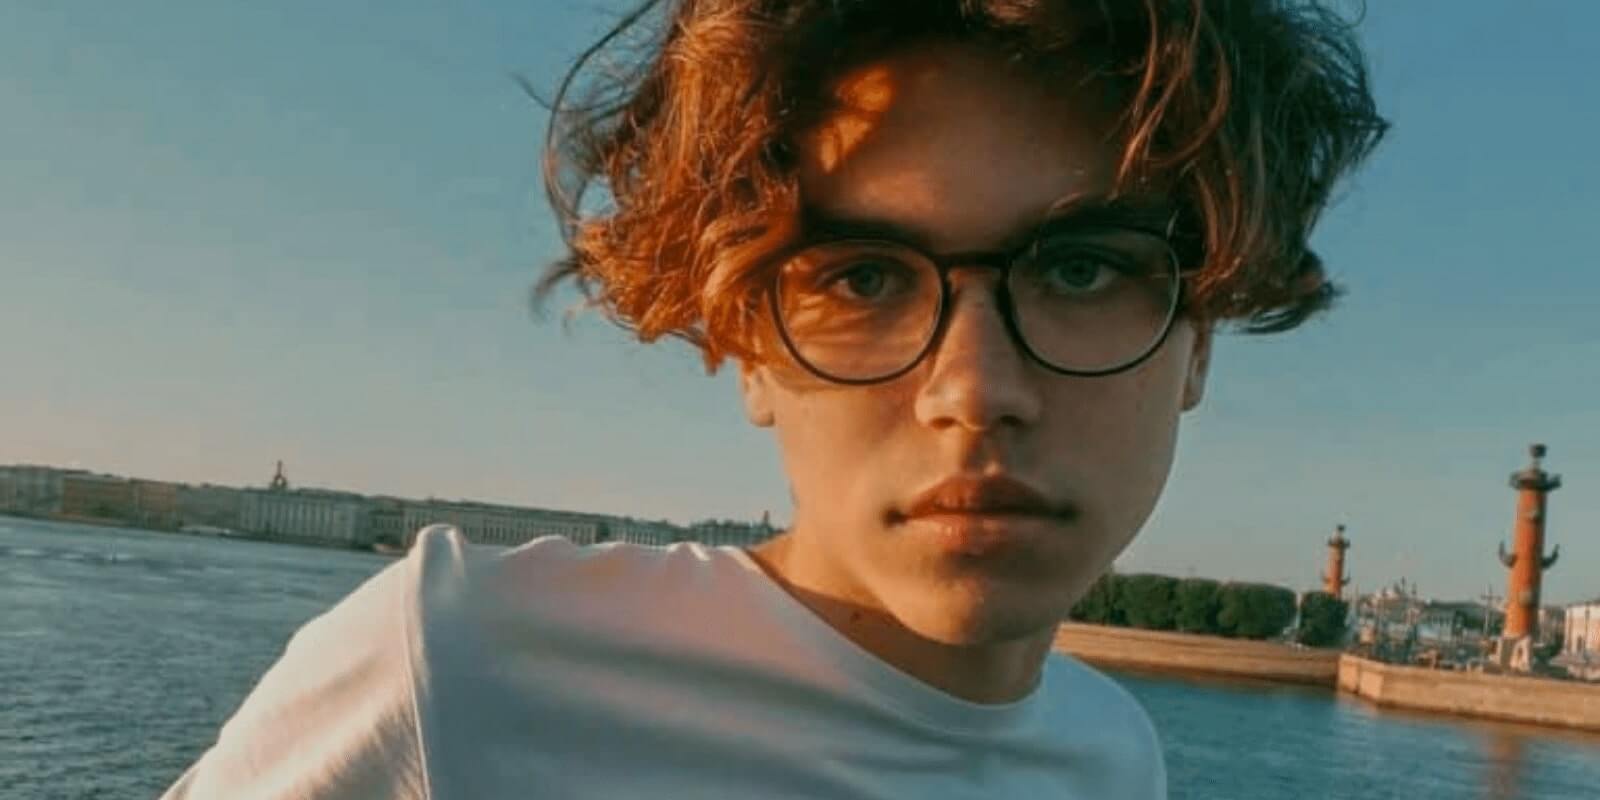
(236, 232)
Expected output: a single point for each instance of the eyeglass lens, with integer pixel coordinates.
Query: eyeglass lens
(1084, 302)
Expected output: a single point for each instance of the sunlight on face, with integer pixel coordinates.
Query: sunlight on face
(967, 152)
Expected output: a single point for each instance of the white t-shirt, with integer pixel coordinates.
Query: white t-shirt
(554, 670)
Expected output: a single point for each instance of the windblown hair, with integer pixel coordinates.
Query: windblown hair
(683, 119)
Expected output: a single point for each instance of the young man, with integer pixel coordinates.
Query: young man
(969, 257)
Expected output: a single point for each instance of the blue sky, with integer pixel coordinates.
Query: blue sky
(236, 232)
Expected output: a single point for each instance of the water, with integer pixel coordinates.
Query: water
(122, 652)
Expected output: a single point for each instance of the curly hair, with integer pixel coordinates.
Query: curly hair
(683, 117)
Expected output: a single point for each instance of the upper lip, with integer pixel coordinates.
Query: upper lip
(970, 494)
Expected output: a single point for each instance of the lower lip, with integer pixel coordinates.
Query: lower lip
(983, 534)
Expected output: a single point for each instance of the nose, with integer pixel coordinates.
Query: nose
(979, 379)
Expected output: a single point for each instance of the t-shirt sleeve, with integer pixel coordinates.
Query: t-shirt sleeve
(335, 717)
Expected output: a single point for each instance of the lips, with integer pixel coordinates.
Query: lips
(983, 496)
(991, 520)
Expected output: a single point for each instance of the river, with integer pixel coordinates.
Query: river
(123, 651)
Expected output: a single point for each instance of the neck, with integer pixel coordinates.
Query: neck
(987, 672)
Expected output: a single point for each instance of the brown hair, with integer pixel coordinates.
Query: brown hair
(1251, 110)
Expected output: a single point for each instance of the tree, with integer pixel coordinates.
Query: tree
(1147, 601)
(1099, 605)
(1322, 620)
(1253, 610)
(1196, 600)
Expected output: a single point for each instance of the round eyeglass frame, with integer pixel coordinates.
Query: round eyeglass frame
(1001, 261)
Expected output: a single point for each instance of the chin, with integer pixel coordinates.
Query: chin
(980, 613)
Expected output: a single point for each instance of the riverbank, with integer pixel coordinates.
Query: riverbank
(1506, 698)
(1509, 698)
(1184, 653)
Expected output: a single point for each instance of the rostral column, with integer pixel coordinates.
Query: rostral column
(1334, 580)
(1527, 560)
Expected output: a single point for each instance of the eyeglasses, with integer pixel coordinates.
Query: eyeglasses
(1081, 300)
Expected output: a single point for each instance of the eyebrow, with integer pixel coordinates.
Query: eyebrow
(1141, 212)
(1150, 212)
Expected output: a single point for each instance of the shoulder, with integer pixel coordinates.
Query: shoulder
(335, 715)
(342, 712)
(446, 567)
(1107, 721)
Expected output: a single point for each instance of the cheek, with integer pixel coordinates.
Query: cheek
(1116, 437)
(833, 439)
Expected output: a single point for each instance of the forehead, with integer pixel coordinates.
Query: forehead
(958, 145)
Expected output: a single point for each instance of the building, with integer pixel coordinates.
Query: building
(155, 504)
(306, 515)
(98, 497)
(1582, 628)
(208, 506)
(714, 533)
(484, 523)
(510, 526)
(1445, 623)
(397, 522)
(31, 491)
(1552, 627)
(386, 521)
(636, 531)
(322, 517)
(1580, 642)
(1459, 624)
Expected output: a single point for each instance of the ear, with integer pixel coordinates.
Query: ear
(755, 384)
(1194, 383)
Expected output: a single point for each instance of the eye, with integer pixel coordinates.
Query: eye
(866, 280)
(1076, 272)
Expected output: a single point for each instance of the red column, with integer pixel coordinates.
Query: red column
(1527, 560)
(1334, 580)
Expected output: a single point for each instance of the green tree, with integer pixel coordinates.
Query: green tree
(1196, 599)
(1253, 610)
(1099, 606)
(1147, 601)
(1322, 620)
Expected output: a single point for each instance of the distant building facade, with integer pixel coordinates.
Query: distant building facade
(1552, 626)
(98, 497)
(511, 526)
(343, 519)
(386, 521)
(155, 504)
(312, 516)
(1580, 644)
(31, 490)
(483, 523)
(1582, 625)
(1445, 623)
(209, 506)
(715, 533)
(638, 531)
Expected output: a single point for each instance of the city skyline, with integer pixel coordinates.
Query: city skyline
(273, 483)
(215, 257)
(326, 517)
(1400, 585)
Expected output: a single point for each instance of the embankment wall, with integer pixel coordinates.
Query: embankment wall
(1132, 648)
(1540, 701)
(1510, 698)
